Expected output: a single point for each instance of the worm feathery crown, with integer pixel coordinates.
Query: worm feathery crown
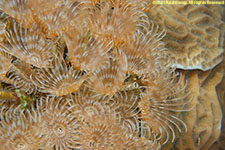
(20, 129)
(19, 10)
(164, 98)
(58, 80)
(29, 45)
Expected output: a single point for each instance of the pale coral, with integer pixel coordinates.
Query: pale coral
(195, 34)
(204, 122)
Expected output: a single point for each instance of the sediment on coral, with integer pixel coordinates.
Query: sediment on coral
(195, 34)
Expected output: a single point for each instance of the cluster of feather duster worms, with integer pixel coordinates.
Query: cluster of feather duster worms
(86, 74)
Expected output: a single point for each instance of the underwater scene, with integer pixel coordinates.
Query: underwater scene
(112, 75)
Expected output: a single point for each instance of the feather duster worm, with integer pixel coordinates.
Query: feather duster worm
(59, 80)
(126, 104)
(115, 24)
(85, 52)
(5, 62)
(4, 17)
(108, 79)
(62, 19)
(29, 45)
(139, 5)
(102, 131)
(19, 75)
(132, 82)
(22, 130)
(141, 142)
(163, 100)
(59, 47)
(44, 7)
(5, 24)
(62, 126)
(52, 24)
(144, 50)
(86, 101)
(144, 5)
(18, 10)
(2, 31)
